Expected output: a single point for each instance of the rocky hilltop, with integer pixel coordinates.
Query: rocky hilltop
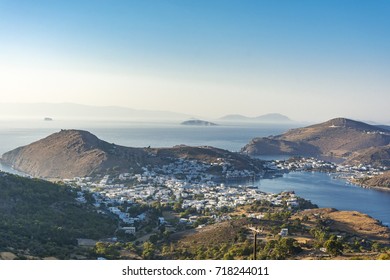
(71, 153)
(77, 153)
(341, 138)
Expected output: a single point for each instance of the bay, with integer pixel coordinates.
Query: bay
(320, 188)
(326, 191)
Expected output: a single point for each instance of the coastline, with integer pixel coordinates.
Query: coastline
(4, 167)
(378, 188)
(299, 165)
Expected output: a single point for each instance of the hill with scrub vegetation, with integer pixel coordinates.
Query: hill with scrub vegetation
(42, 220)
(39, 219)
(314, 233)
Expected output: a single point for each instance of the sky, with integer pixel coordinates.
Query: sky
(310, 60)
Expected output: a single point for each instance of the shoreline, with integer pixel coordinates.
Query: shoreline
(343, 179)
(4, 167)
(378, 188)
(345, 176)
(270, 175)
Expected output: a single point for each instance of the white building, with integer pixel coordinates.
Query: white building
(129, 230)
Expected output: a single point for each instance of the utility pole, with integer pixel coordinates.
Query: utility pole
(254, 245)
(255, 232)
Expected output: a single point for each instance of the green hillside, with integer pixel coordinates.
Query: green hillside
(42, 219)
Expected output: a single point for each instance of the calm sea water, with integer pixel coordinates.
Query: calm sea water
(317, 187)
(325, 191)
(230, 136)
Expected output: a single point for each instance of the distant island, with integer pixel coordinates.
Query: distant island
(198, 123)
(271, 118)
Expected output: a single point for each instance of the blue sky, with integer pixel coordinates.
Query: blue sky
(310, 60)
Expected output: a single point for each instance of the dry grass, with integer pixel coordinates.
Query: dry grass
(362, 224)
(351, 222)
(219, 233)
(7, 256)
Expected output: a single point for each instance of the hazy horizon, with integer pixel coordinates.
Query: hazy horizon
(82, 112)
(309, 60)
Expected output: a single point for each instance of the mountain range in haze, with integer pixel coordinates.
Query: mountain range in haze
(85, 112)
(271, 118)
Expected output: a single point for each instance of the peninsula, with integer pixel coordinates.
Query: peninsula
(77, 153)
(341, 139)
(355, 145)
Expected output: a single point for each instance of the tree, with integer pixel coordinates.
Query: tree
(376, 247)
(228, 256)
(130, 246)
(156, 207)
(148, 251)
(334, 246)
(384, 256)
(153, 238)
(107, 250)
(177, 207)
(289, 246)
(280, 249)
(166, 251)
(320, 235)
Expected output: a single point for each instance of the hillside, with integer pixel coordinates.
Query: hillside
(372, 155)
(338, 137)
(71, 153)
(77, 153)
(382, 181)
(352, 224)
(208, 154)
(272, 146)
(42, 219)
(308, 230)
(387, 127)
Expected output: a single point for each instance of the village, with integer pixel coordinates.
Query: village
(188, 187)
(185, 184)
(347, 172)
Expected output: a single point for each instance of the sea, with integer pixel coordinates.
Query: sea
(320, 188)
